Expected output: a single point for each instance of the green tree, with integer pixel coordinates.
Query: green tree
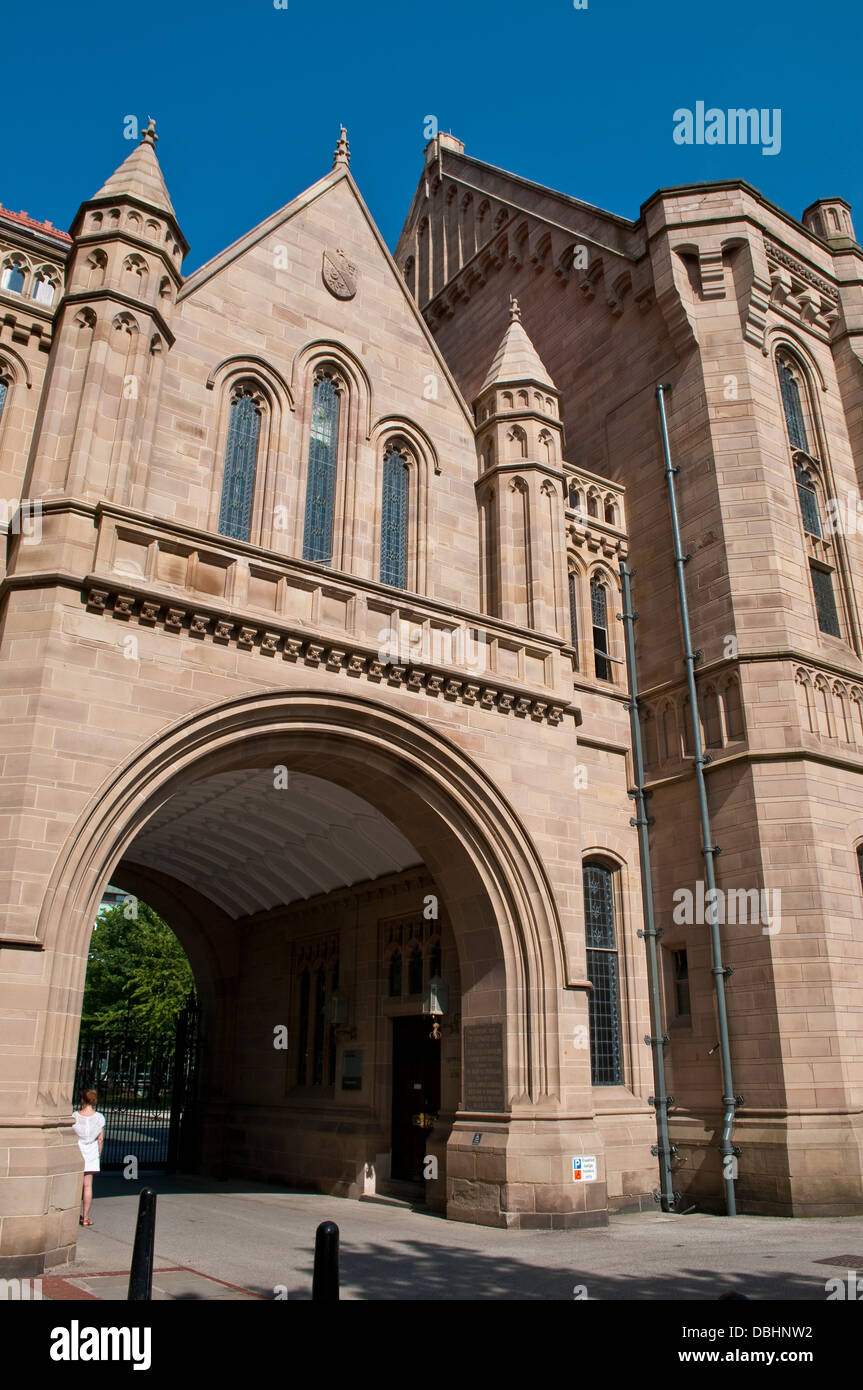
(137, 972)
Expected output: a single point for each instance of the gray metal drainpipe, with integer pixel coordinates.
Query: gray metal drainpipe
(709, 850)
(658, 1040)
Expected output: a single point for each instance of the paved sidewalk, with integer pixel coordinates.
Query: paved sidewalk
(241, 1240)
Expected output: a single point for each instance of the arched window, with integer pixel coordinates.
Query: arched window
(241, 459)
(303, 1039)
(415, 971)
(321, 483)
(712, 719)
(797, 409)
(610, 514)
(793, 407)
(435, 958)
(825, 600)
(4, 391)
(860, 863)
(606, 1053)
(394, 519)
(599, 617)
(573, 609)
(808, 499)
(320, 1026)
(12, 278)
(734, 725)
(395, 975)
(44, 288)
(96, 264)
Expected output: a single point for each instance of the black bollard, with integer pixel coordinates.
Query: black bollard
(325, 1280)
(141, 1272)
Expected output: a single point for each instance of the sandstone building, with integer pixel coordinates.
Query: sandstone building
(310, 639)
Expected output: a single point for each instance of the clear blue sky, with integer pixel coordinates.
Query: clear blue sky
(248, 99)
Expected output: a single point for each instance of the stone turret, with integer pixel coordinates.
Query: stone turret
(112, 332)
(521, 485)
(830, 218)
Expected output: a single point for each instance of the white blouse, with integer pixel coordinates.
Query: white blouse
(88, 1128)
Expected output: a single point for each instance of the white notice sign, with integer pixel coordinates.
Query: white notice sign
(584, 1168)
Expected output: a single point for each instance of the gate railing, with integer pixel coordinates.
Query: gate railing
(145, 1088)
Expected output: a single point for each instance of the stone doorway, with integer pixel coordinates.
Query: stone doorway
(416, 1095)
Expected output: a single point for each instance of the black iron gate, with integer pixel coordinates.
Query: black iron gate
(146, 1090)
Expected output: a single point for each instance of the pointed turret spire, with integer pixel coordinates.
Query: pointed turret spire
(342, 152)
(516, 359)
(139, 176)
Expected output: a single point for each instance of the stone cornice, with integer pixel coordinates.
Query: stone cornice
(271, 637)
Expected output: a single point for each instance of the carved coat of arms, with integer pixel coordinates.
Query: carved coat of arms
(340, 276)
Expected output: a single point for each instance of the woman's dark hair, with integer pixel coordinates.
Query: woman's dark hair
(89, 1097)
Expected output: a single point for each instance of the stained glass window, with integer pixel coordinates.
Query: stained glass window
(4, 387)
(599, 617)
(573, 610)
(241, 459)
(793, 407)
(808, 499)
(606, 1062)
(394, 521)
(321, 484)
(825, 602)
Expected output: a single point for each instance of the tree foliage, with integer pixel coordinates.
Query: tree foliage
(137, 973)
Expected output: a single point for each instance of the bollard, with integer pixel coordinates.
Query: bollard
(141, 1272)
(325, 1280)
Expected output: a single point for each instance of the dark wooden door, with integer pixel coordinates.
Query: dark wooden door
(416, 1091)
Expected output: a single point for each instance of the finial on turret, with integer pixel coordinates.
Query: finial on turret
(149, 136)
(342, 152)
(514, 311)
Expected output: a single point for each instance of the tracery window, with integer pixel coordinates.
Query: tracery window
(12, 277)
(573, 609)
(793, 407)
(606, 1051)
(316, 1024)
(825, 601)
(809, 482)
(394, 519)
(808, 499)
(321, 484)
(44, 288)
(241, 458)
(599, 616)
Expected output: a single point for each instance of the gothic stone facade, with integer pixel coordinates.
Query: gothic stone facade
(310, 640)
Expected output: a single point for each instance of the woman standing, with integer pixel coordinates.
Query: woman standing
(89, 1126)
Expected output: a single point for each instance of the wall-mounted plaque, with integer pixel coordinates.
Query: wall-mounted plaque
(483, 1066)
(352, 1070)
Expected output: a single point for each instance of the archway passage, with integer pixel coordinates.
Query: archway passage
(298, 844)
(320, 935)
